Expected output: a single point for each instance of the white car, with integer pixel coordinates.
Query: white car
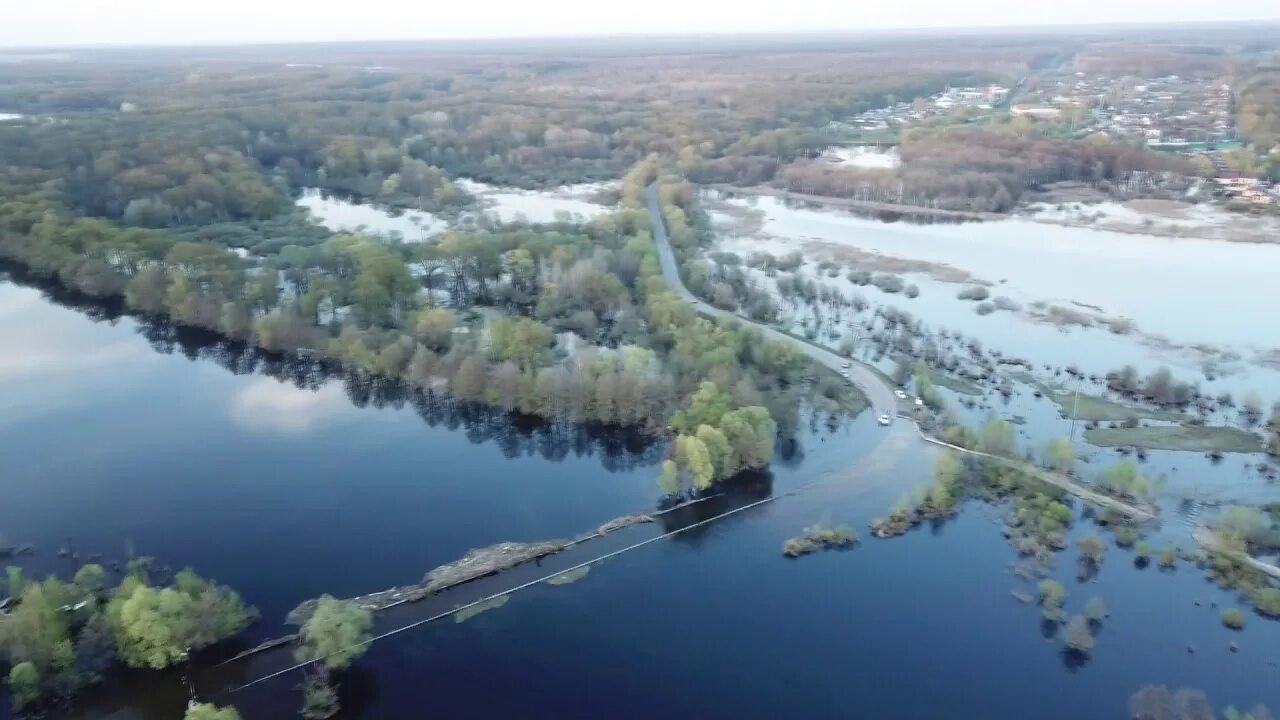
(845, 365)
(919, 402)
(884, 419)
(900, 394)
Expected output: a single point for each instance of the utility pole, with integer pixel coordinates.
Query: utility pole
(1075, 408)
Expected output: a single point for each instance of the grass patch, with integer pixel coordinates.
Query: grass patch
(470, 612)
(1177, 437)
(1092, 407)
(569, 576)
(956, 385)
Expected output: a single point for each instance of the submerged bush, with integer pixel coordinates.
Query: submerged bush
(974, 292)
(1233, 618)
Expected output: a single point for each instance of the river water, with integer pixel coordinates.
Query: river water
(284, 482)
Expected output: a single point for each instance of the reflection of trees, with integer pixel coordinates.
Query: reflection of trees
(619, 449)
(742, 489)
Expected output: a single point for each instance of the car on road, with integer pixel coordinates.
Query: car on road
(884, 419)
(900, 394)
(845, 364)
(919, 402)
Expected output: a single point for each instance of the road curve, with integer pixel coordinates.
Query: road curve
(877, 391)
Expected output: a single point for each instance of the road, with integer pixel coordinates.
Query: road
(877, 391)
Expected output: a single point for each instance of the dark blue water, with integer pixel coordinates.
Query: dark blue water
(287, 493)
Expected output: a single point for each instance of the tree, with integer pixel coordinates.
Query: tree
(1124, 479)
(669, 480)
(337, 632)
(434, 328)
(1079, 636)
(997, 438)
(36, 630)
(1060, 455)
(153, 627)
(723, 458)
(206, 711)
(216, 611)
(90, 580)
(693, 456)
(24, 684)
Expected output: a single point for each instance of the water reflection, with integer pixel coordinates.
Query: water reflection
(298, 393)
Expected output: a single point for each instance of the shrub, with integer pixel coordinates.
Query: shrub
(1233, 618)
(1266, 601)
(1052, 598)
(1079, 636)
(911, 291)
(1095, 610)
(859, 277)
(985, 308)
(1092, 548)
(974, 292)
(888, 283)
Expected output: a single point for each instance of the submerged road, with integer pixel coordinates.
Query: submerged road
(877, 391)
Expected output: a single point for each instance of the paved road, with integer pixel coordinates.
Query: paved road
(878, 392)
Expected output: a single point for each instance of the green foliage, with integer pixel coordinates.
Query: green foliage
(157, 627)
(206, 711)
(319, 701)
(154, 627)
(1052, 597)
(337, 633)
(997, 438)
(24, 684)
(669, 480)
(522, 340)
(90, 580)
(1060, 455)
(1124, 479)
(1233, 618)
(1266, 600)
(1092, 548)
(1247, 523)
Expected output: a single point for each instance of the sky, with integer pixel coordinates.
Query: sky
(28, 23)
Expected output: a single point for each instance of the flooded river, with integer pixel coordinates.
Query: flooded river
(286, 482)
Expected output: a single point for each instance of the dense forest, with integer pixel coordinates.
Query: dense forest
(978, 169)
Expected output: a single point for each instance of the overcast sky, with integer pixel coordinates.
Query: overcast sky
(81, 22)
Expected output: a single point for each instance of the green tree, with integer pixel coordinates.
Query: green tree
(206, 711)
(1060, 455)
(723, 459)
(694, 457)
(669, 480)
(434, 328)
(997, 438)
(24, 684)
(337, 633)
(216, 611)
(36, 630)
(153, 627)
(91, 580)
